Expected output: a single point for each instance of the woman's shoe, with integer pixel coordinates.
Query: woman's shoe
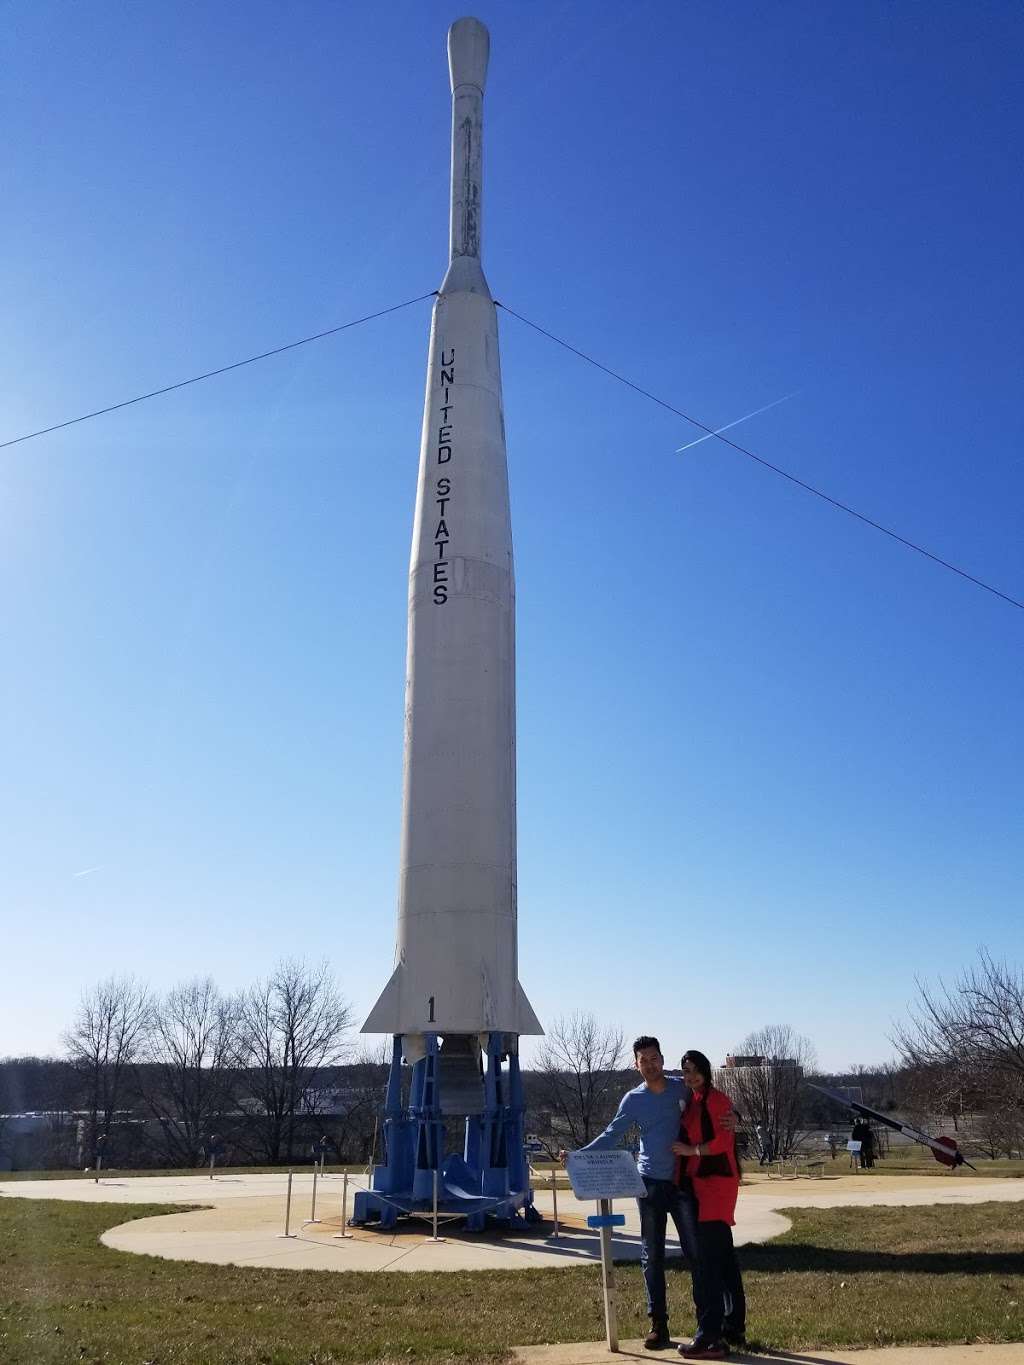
(704, 1349)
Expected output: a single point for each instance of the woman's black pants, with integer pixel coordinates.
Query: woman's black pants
(723, 1304)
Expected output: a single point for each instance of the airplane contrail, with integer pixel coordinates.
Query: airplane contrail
(85, 872)
(718, 432)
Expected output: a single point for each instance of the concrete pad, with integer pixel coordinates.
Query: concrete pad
(244, 1221)
(597, 1353)
(232, 1233)
(161, 1189)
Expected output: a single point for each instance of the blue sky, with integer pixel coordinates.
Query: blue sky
(769, 762)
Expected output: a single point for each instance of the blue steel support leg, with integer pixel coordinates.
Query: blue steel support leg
(471, 1149)
(489, 1117)
(393, 1094)
(515, 1138)
(494, 1171)
(394, 1173)
(518, 1165)
(473, 1156)
(426, 1111)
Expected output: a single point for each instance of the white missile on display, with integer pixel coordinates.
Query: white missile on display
(456, 966)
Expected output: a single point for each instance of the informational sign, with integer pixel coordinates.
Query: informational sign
(853, 1146)
(604, 1175)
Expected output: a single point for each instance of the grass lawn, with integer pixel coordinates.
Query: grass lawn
(839, 1277)
(913, 1159)
(919, 1161)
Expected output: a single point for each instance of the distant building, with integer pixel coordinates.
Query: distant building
(749, 1081)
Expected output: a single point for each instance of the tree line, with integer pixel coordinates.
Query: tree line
(959, 1062)
(161, 1077)
(271, 1073)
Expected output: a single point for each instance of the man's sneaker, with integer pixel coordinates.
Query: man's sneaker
(704, 1350)
(657, 1339)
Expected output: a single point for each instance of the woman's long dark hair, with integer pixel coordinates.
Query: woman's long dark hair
(701, 1064)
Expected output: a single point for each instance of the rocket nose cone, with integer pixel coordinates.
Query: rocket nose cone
(469, 46)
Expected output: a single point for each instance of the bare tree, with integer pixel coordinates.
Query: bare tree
(765, 1083)
(964, 1043)
(186, 1082)
(1000, 1132)
(356, 1103)
(935, 1094)
(102, 1043)
(290, 1028)
(577, 1077)
(976, 1023)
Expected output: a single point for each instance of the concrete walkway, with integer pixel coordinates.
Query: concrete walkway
(596, 1353)
(244, 1223)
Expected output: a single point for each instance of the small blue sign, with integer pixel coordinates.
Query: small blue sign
(605, 1220)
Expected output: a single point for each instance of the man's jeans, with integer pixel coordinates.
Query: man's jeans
(665, 1199)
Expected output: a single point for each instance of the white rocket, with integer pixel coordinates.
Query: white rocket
(456, 966)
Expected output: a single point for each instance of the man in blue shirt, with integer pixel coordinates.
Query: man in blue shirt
(654, 1109)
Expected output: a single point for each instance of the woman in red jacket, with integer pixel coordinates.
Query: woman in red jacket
(707, 1154)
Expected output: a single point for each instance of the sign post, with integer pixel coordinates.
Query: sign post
(605, 1176)
(606, 1216)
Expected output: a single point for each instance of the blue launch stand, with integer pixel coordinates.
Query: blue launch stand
(488, 1179)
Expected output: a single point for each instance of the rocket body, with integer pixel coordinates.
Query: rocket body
(456, 969)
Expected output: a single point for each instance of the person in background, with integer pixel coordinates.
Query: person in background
(868, 1149)
(706, 1152)
(862, 1133)
(767, 1148)
(857, 1135)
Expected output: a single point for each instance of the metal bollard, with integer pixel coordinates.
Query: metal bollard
(212, 1160)
(312, 1208)
(288, 1209)
(344, 1207)
(435, 1237)
(554, 1201)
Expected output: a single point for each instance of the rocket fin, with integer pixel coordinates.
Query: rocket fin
(383, 1018)
(528, 1021)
